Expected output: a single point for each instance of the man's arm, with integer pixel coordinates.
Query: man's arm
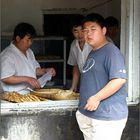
(75, 79)
(111, 88)
(13, 80)
(41, 71)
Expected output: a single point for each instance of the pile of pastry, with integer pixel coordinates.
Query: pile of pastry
(56, 94)
(17, 98)
(40, 95)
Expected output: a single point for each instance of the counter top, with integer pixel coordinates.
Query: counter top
(8, 108)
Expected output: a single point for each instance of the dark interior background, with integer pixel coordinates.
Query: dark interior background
(61, 25)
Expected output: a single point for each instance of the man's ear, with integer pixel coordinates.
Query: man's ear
(104, 30)
(18, 38)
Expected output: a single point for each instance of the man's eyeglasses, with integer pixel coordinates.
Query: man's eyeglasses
(87, 30)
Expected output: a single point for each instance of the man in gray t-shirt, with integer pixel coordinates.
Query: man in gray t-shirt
(102, 66)
(102, 111)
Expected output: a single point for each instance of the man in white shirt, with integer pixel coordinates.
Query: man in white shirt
(112, 25)
(19, 68)
(78, 53)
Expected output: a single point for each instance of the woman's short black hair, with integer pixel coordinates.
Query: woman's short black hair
(23, 29)
(95, 17)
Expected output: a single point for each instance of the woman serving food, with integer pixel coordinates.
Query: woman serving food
(19, 68)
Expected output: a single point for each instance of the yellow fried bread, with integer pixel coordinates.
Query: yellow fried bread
(17, 98)
(65, 95)
(56, 94)
(46, 93)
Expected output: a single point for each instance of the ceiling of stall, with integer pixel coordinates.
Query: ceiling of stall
(69, 5)
(91, 3)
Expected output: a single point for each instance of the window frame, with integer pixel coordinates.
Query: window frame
(130, 46)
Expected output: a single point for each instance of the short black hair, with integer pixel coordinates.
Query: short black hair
(111, 22)
(23, 29)
(94, 17)
(77, 21)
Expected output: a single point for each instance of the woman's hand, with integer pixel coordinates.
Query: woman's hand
(51, 71)
(42, 71)
(33, 82)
